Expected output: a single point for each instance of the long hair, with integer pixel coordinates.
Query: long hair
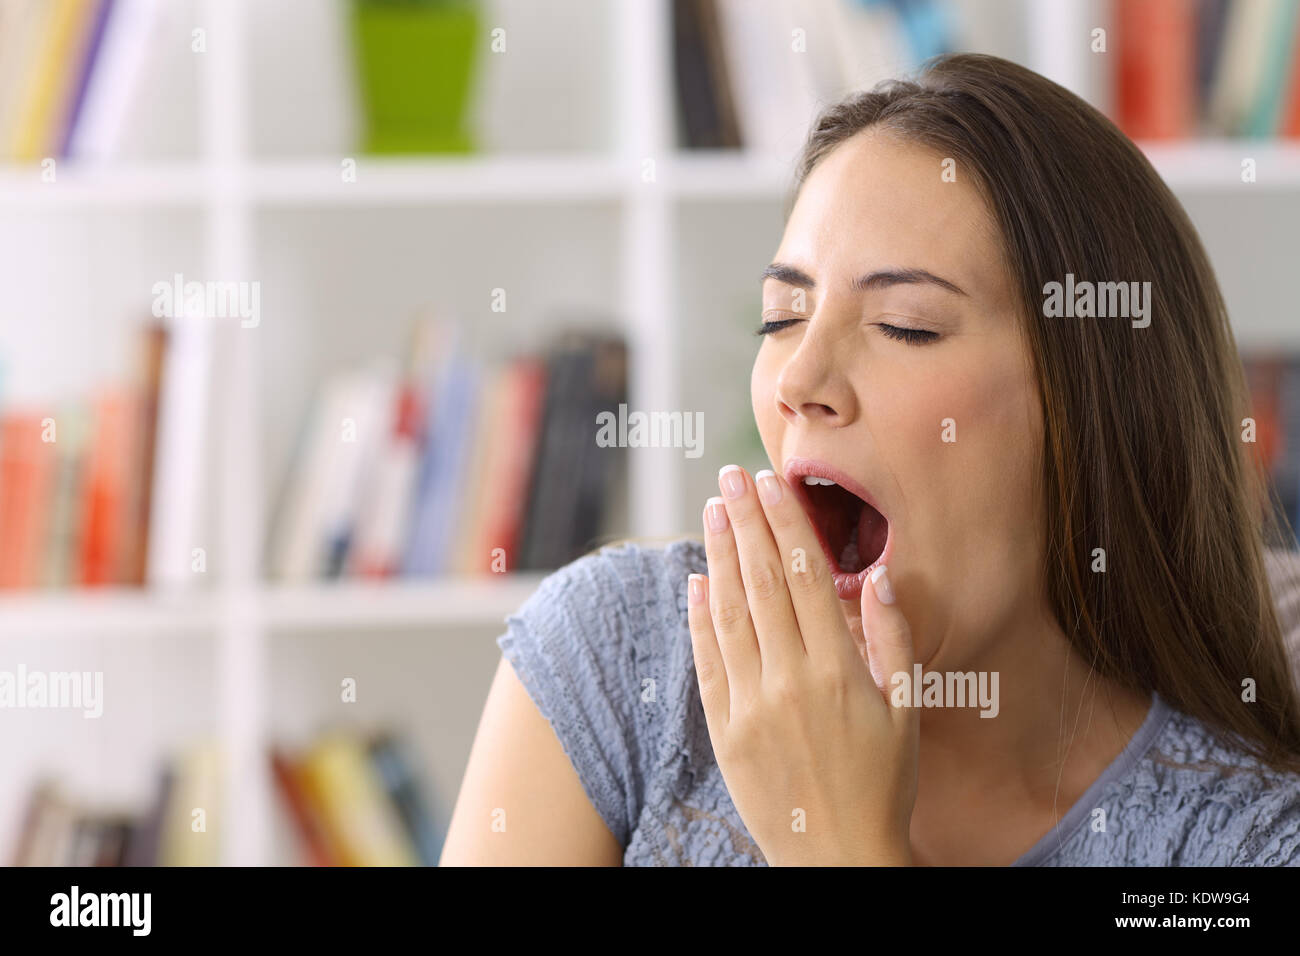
(1142, 445)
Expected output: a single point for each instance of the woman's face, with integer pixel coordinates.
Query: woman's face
(904, 371)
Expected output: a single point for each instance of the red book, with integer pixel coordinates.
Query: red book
(104, 488)
(1157, 68)
(506, 489)
(26, 491)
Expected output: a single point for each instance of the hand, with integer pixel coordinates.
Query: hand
(820, 766)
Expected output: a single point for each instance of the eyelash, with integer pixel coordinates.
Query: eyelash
(898, 333)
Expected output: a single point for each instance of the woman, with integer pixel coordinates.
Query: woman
(1001, 598)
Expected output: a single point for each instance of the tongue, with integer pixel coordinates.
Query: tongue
(866, 541)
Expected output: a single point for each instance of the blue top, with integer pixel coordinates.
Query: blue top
(604, 650)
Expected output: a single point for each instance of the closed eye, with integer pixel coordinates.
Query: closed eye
(910, 336)
(776, 325)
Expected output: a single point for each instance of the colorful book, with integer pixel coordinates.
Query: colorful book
(363, 826)
(37, 134)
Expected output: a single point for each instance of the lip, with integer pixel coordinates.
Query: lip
(847, 586)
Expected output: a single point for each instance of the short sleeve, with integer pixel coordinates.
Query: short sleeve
(573, 648)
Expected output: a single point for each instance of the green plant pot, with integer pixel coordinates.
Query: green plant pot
(415, 64)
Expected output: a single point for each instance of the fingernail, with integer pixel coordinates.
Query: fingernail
(732, 480)
(769, 489)
(715, 515)
(880, 581)
(695, 589)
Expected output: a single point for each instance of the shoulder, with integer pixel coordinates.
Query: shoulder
(603, 649)
(1196, 799)
(626, 594)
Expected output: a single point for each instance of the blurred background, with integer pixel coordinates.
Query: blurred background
(308, 307)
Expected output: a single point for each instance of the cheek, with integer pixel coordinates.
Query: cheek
(762, 396)
(988, 466)
(971, 544)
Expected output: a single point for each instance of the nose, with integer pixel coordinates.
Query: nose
(812, 387)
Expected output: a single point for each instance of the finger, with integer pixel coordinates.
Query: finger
(780, 644)
(727, 603)
(710, 672)
(889, 641)
(807, 573)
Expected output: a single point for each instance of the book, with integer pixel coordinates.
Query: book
(27, 481)
(1156, 79)
(705, 109)
(1237, 85)
(441, 482)
(190, 831)
(144, 845)
(84, 65)
(568, 495)
(303, 811)
(362, 825)
(478, 502)
(1265, 115)
(348, 422)
(37, 134)
(179, 484)
(119, 72)
(104, 487)
(138, 496)
(772, 88)
(63, 534)
(386, 505)
(403, 788)
(509, 473)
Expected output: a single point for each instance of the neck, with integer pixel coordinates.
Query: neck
(990, 787)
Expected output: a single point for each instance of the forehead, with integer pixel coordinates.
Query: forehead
(880, 200)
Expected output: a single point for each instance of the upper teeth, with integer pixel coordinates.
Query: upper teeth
(814, 480)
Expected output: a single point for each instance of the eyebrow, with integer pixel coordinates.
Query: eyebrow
(880, 279)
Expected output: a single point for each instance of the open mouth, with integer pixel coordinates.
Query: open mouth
(853, 533)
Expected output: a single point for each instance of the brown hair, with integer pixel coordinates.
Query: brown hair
(1142, 452)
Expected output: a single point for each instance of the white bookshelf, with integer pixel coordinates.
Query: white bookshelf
(241, 197)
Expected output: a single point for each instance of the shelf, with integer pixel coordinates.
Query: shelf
(384, 180)
(481, 601)
(1216, 164)
(147, 185)
(115, 611)
(543, 178)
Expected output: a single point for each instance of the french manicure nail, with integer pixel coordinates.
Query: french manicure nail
(732, 480)
(769, 489)
(695, 589)
(880, 581)
(715, 515)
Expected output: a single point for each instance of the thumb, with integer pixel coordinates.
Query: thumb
(886, 632)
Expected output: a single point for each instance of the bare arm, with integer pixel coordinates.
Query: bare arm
(518, 766)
